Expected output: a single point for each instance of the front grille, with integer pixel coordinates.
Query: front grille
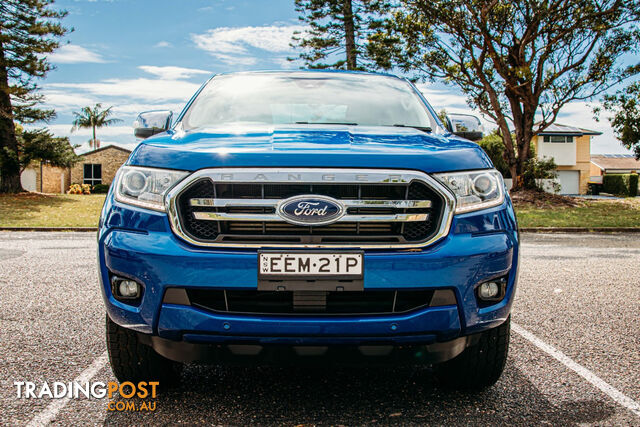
(404, 211)
(310, 302)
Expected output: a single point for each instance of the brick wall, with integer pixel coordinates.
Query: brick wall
(48, 178)
(110, 158)
(595, 170)
(52, 178)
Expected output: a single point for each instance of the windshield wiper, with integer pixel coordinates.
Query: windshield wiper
(422, 128)
(326, 123)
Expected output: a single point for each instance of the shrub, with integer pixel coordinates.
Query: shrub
(493, 145)
(100, 189)
(536, 171)
(617, 184)
(633, 185)
(79, 189)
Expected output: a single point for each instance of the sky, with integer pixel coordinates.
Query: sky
(138, 55)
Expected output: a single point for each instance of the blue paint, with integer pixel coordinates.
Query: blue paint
(309, 146)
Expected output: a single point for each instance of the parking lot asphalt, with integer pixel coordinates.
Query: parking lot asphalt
(574, 356)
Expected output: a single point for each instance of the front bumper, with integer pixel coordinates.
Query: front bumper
(139, 244)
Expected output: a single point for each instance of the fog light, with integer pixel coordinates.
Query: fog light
(125, 288)
(128, 288)
(489, 290)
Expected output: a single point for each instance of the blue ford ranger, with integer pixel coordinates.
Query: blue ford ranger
(307, 216)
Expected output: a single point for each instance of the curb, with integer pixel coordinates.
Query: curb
(579, 229)
(81, 229)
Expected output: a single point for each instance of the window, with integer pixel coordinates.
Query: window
(307, 98)
(92, 174)
(558, 138)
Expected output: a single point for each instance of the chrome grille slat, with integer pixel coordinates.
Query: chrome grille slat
(225, 203)
(239, 208)
(224, 216)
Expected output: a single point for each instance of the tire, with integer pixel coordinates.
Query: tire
(135, 362)
(478, 366)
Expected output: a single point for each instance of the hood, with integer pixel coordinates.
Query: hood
(309, 146)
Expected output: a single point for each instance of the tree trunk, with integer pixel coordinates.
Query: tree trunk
(96, 144)
(9, 155)
(349, 34)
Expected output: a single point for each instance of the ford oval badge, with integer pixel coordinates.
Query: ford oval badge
(311, 210)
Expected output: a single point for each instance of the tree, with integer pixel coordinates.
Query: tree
(337, 28)
(93, 118)
(625, 104)
(29, 29)
(493, 145)
(41, 145)
(442, 115)
(518, 61)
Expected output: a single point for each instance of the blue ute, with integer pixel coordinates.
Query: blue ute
(307, 216)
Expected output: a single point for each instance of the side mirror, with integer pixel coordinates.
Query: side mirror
(150, 123)
(465, 125)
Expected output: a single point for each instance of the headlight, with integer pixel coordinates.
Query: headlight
(145, 187)
(474, 190)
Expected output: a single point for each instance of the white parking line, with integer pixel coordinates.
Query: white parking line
(606, 388)
(50, 412)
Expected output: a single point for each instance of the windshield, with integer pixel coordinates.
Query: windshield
(308, 98)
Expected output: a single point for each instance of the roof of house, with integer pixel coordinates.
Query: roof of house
(558, 129)
(616, 161)
(106, 147)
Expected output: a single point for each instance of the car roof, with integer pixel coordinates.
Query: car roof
(312, 71)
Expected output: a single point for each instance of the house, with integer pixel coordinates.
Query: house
(603, 164)
(570, 147)
(94, 167)
(99, 166)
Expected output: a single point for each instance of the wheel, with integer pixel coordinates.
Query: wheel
(133, 361)
(478, 366)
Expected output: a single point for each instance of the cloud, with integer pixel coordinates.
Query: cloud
(155, 90)
(65, 100)
(171, 72)
(237, 60)
(65, 130)
(443, 98)
(163, 43)
(231, 44)
(285, 64)
(74, 54)
(135, 108)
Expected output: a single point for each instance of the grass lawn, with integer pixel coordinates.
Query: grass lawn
(588, 213)
(65, 210)
(50, 210)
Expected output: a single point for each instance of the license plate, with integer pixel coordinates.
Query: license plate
(274, 264)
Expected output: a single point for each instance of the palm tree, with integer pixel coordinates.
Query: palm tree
(93, 118)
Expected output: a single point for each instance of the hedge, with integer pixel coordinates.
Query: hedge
(633, 185)
(620, 184)
(100, 189)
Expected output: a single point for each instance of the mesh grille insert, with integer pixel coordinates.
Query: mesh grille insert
(287, 302)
